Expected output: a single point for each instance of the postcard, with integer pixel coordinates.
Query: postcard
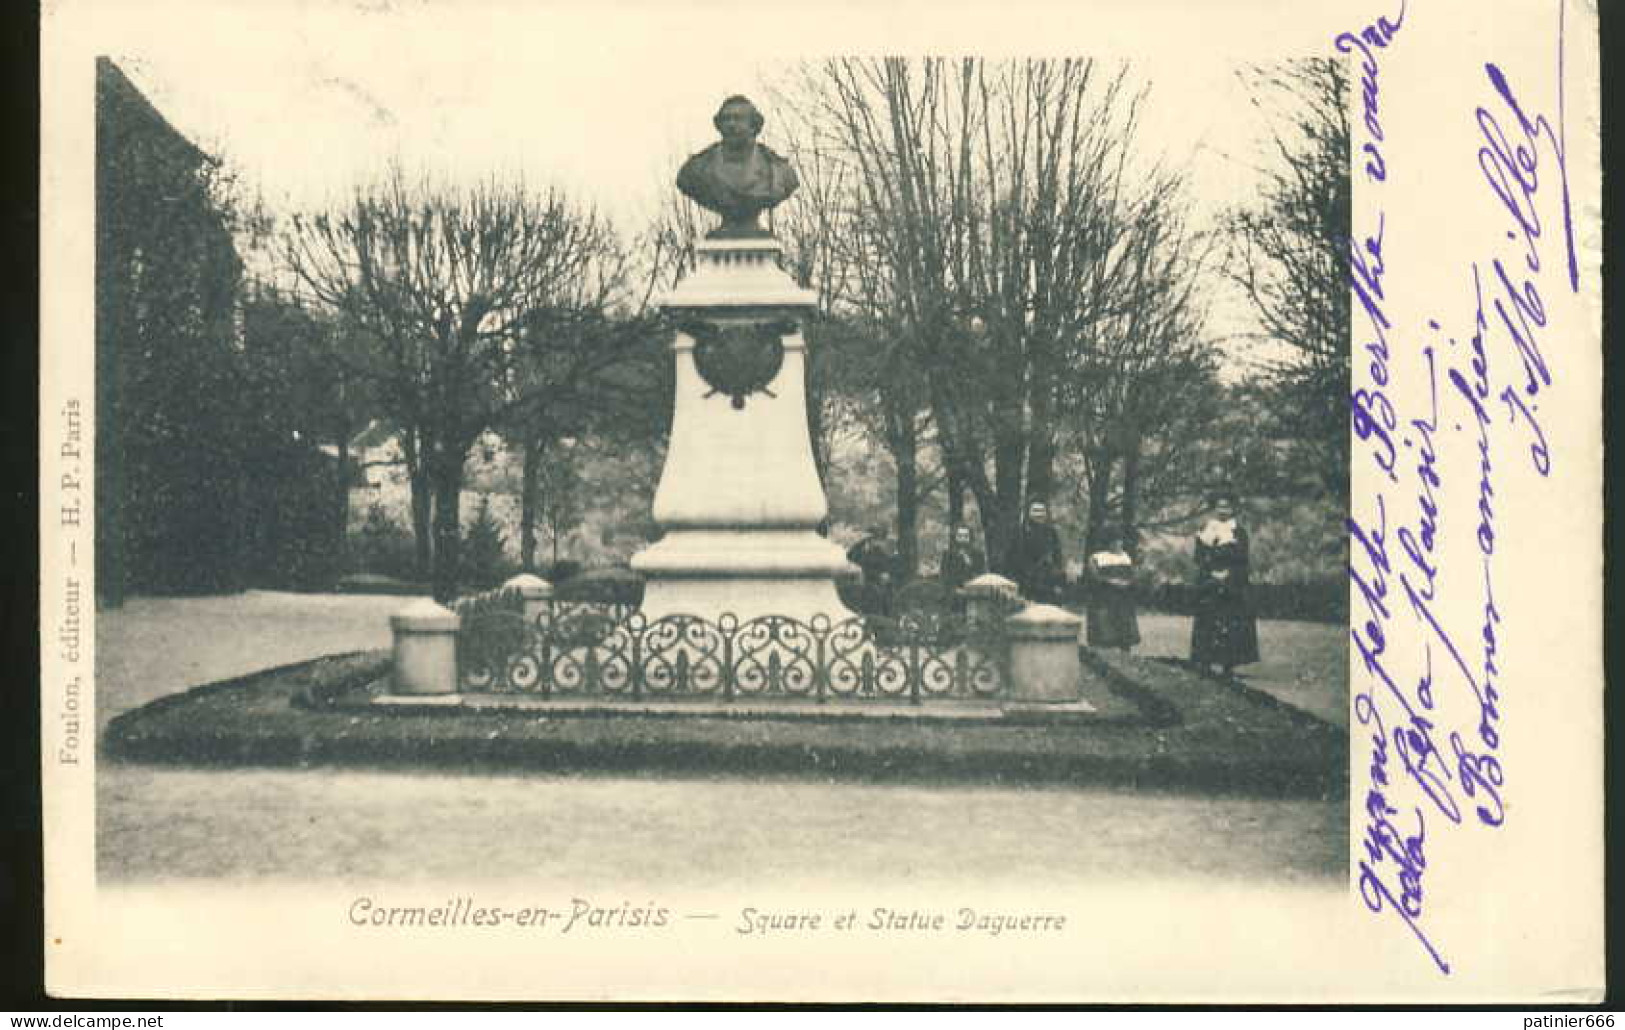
(858, 503)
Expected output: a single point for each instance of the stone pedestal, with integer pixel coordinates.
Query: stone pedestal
(739, 499)
(534, 594)
(989, 596)
(1044, 662)
(425, 648)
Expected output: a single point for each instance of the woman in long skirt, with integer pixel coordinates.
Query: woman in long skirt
(1225, 632)
(1112, 619)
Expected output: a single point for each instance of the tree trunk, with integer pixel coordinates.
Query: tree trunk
(909, 509)
(963, 456)
(964, 465)
(422, 523)
(417, 473)
(1041, 436)
(1131, 498)
(448, 490)
(956, 498)
(1100, 484)
(1041, 463)
(906, 454)
(341, 491)
(1007, 499)
(528, 487)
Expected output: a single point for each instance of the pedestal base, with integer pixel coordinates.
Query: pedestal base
(743, 572)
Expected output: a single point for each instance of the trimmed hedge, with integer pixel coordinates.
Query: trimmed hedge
(610, 584)
(1177, 731)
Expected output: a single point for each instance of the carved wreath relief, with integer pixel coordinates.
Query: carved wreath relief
(738, 359)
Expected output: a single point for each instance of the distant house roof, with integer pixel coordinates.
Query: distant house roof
(119, 101)
(147, 174)
(375, 435)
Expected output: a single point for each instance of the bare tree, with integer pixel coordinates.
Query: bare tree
(810, 226)
(864, 369)
(444, 280)
(1141, 390)
(668, 244)
(1289, 253)
(581, 366)
(1003, 240)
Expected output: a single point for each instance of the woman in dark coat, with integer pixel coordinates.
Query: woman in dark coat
(1112, 619)
(1036, 560)
(1225, 633)
(963, 561)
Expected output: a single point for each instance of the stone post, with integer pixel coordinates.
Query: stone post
(988, 597)
(1044, 655)
(535, 593)
(425, 648)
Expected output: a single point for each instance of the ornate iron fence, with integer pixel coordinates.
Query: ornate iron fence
(585, 650)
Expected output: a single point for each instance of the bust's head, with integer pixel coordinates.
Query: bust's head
(737, 120)
(737, 178)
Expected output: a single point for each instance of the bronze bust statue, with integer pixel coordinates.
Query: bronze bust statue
(738, 178)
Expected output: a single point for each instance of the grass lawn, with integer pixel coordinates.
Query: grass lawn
(1304, 664)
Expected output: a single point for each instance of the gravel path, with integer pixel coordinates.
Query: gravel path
(154, 646)
(323, 823)
(160, 823)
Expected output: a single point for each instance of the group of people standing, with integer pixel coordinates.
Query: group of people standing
(1224, 632)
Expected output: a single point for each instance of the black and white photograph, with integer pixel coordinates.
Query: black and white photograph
(693, 504)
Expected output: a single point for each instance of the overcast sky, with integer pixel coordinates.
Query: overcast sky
(307, 105)
(306, 100)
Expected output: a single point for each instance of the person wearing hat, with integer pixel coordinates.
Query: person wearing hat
(1036, 561)
(877, 558)
(1112, 619)
(1224, 633)
(963, 560)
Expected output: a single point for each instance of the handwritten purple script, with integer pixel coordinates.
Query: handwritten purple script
(1422, 769)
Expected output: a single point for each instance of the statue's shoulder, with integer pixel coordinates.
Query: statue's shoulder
(781, 171)
(696, 171)
(702, 157)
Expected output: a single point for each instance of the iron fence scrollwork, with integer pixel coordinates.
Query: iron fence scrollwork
(590, 650)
